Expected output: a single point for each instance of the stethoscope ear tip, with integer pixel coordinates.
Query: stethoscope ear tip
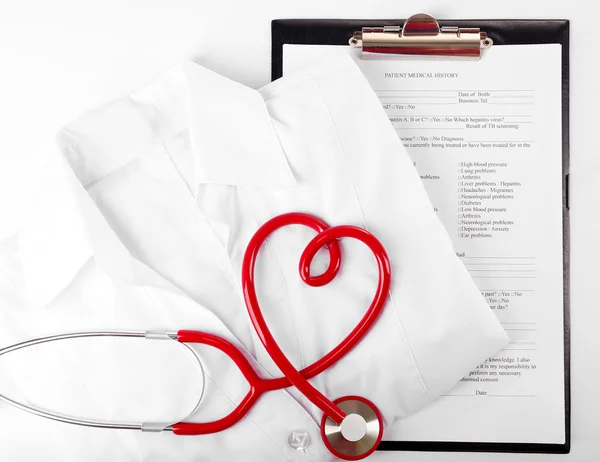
(359, 434)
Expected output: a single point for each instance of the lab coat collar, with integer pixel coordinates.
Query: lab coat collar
(234, 121)
(213, 112)
(108, 138)
(110, 253)
(232, 134)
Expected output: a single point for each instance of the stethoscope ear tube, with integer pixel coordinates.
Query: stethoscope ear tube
(143, 426)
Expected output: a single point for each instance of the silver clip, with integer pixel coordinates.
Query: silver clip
(422, 35)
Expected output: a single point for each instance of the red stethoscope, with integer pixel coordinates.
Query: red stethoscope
(351, 426)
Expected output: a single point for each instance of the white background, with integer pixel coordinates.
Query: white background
(61, 58)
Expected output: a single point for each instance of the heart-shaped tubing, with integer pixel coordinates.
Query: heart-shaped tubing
(258, 385)
(326, 237)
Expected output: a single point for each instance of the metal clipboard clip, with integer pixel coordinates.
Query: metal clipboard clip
(422, 35)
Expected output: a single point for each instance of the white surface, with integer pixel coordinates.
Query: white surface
(61, 58)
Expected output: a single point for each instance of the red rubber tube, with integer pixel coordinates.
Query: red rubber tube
(326, 237)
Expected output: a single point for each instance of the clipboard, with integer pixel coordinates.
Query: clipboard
(423, 35)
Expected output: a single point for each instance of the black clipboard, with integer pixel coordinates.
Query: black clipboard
(502, 32)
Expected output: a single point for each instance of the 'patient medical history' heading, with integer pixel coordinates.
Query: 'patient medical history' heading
(421, 75)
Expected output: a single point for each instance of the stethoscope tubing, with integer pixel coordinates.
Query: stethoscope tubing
(326, 237)
(143, 426)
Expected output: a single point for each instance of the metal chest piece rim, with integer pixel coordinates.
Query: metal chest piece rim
(362, 446)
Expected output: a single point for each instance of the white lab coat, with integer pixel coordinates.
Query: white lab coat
(171, 182)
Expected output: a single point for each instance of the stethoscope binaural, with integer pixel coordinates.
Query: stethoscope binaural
(351, 426)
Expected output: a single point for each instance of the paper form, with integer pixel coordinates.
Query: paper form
(485, 137)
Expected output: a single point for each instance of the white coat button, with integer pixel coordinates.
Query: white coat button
(299, 440)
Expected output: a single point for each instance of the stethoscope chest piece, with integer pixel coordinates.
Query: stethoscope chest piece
(360, 432)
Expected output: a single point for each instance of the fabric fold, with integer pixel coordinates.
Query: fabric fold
(232, 134)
